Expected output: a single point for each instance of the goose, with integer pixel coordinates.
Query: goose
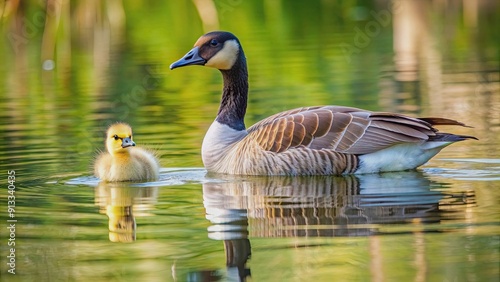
(316, 140)
(123, 161)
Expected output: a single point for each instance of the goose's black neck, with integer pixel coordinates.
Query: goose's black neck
(233, 105)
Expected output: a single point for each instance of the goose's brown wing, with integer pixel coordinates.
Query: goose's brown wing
(343, 129)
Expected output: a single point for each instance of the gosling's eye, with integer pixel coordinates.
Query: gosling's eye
(214, 42)
(116, 137)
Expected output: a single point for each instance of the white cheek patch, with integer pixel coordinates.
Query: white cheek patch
(226, 57)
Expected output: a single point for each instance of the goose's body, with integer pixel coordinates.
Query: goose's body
(323, 140)
(123, 161)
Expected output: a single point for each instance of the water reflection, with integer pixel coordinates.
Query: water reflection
(122, 203)
(324, 206)
(237, 252)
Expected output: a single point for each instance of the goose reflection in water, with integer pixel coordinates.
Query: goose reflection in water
(239, 208)
(122, 203)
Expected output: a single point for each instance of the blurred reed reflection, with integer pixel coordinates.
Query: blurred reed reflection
(122, 203)
(322, 206)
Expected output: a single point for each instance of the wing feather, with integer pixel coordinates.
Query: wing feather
(342, 129)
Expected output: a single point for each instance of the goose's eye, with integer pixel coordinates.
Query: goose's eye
(214, 42)
(116, 137)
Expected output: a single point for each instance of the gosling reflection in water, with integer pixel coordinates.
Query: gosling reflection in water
(122, 203)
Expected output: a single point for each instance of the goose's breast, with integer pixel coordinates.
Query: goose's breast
(218, 144)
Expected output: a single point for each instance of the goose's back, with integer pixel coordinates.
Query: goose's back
(341, 129)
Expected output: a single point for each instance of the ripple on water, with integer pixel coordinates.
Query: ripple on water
(475, 169)
(168, 177)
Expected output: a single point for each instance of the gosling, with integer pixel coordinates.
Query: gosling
(123, 161)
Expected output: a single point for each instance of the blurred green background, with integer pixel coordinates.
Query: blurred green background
(68, 69)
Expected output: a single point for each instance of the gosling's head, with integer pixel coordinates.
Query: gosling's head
(217, 49)
(119, 138)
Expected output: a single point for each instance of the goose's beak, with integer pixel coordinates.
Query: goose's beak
(127, 142)
(191, 58)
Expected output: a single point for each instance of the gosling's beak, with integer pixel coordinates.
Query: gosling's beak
(191, 58)
(127, 142)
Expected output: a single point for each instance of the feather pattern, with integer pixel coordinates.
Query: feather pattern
(342, 129)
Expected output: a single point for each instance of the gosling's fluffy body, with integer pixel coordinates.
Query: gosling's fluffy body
(123, 161)
(322, 140)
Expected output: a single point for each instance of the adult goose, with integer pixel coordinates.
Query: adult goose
(123, 161)
(322, 140)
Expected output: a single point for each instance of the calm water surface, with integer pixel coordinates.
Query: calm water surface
(61, 87)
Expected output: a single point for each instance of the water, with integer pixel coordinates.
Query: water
(59, 94)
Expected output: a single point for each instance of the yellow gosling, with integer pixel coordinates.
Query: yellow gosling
(123, 161)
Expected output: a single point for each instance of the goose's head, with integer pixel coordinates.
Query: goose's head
(218, 49)
(119, 138)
